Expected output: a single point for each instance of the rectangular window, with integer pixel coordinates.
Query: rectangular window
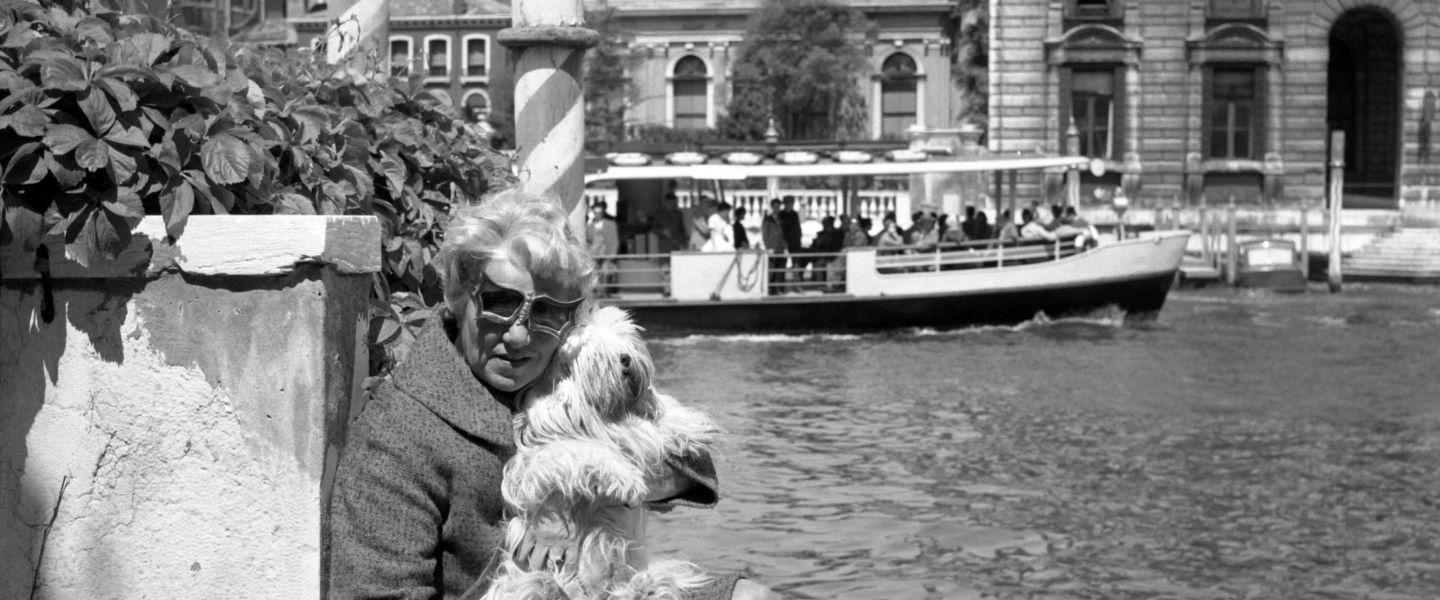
(477, 51)
(1092, 106)
(690, 109)
(1232, 113)
(897, 108)
(1234, 9)
(1092, 9)
(437, 52)
(399, 57)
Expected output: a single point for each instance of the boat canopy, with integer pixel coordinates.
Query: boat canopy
(735, 172)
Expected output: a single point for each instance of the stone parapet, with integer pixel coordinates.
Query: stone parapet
(169, 419)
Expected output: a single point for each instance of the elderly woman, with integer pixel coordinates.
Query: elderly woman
(416, 510)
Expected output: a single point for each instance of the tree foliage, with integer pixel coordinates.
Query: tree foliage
(607, 89)
(106, 117)
(969, 31)
(800, 64)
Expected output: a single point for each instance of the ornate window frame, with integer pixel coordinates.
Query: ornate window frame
(449, 64)
(465, 75)
(1247, 46)
(877, 93)
(409, 65)
(709, 88)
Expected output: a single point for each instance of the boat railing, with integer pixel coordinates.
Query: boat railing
(974, 254)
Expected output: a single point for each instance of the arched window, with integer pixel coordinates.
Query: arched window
(477, 106)
(400, 55)
(899, 101)
(690, 94)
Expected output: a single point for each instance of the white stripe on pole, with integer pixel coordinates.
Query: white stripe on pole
(364, 21)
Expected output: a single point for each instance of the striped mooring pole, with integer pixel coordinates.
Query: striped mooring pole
(549, 41)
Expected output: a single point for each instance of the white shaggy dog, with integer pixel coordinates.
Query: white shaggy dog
(589, 436)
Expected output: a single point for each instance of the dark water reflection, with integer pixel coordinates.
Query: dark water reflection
(1241, 446)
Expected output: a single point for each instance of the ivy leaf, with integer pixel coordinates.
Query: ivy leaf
(126, 204)
(120, 92)
(139, 50)
(195, 75)
(226, 159)
(127, 136)
(62, 138)
(24, 221)
(29, 121)
(63, 169)
(59, 70)
(92, 155)
(122, 165)
(291, 203)
(23, 160)
(101, 234)
(95, 30)
(394, 170)
(98, 111)
(176, 204)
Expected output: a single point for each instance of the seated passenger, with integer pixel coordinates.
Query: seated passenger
(1008, 231)
(1030, 229)
(954, 233)
(924, 236)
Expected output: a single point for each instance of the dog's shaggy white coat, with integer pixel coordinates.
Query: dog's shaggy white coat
(589, 436)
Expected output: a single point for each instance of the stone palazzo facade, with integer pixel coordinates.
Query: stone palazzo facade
(1185, 101)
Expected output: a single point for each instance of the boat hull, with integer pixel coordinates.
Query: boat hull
(1139, 296)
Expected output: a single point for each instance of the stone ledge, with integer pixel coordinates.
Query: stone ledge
(243, 245)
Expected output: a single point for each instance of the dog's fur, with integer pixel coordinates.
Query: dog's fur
(588, 436)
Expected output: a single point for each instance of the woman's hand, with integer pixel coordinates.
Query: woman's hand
(549, 545)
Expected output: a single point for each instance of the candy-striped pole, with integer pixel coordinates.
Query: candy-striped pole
(550, 43)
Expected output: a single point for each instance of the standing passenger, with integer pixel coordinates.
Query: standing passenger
(774, 239)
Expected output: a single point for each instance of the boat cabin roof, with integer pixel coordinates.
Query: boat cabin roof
(700, 167)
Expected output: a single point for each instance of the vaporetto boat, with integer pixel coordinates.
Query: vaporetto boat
(868, 288)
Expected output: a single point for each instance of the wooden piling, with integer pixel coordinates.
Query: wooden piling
(1232, 252)
(549, 48)
(1336, 198)
(1305, 240)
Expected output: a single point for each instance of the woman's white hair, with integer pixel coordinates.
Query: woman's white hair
(531, 228)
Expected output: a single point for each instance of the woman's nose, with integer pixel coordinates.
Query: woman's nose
(518, 334)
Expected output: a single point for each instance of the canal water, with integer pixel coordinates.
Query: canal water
(1241, 445)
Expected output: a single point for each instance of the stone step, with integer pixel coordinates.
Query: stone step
(1410, 253)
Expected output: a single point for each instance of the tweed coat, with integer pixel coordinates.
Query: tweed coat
(416, 510)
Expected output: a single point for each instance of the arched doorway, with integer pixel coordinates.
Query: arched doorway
(1364, 101)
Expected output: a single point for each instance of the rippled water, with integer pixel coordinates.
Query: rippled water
(1242, 445)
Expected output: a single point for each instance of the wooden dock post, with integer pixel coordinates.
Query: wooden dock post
(1232, 252)
(1205, 253)
(1336, 197)
(549, 47)
(1305, 240)
(1072, 175)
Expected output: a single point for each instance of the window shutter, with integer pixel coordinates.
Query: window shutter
(1260, 112)
(1067, 89)
(1119, 129)
(1207, 107)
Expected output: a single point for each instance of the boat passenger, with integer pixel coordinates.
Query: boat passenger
(790, 226)
(669, 225)
(741, 237)
(982, 230)
(698, 222)
(865, 225)
(1008, 231)
(924, 236)
(954, 234)
(828, 241)
(721, 232)
(855, 236)
(774, 240)
(890, 236)
(604, 243)
(968, 226)
(1030, 229)
(416, 510)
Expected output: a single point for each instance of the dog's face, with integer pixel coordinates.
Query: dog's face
(609, 364)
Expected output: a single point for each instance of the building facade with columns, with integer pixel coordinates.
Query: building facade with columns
(684, 52)
(1217, 99)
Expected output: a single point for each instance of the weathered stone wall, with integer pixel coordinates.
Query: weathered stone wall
(166, 432)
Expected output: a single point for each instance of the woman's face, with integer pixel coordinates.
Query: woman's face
(509, 357)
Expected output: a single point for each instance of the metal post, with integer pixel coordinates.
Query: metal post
(1072, 175)
(1014, 196)
(1232, 254)
(1305, 240)
(549, 99)
(1336, 198)
(1205, 253)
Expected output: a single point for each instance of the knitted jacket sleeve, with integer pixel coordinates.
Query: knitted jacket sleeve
(385, 509)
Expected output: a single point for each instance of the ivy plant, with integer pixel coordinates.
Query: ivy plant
(106, 117)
